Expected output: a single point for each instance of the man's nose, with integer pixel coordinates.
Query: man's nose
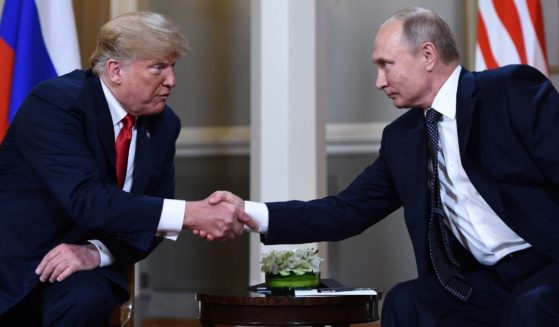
(381, 80)
(170, 79)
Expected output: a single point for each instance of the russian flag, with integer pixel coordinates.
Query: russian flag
(38, 40)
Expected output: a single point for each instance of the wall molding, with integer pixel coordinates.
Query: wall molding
(341, 139)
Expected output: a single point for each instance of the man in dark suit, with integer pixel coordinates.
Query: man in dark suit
(481, 203)
(87, 180)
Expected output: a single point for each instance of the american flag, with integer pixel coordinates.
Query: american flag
(510, 32)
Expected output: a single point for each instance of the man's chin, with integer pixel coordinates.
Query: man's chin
(399, 105)
(152, 110)
(158, 107)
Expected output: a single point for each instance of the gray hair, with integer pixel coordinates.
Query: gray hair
(133, 35)
(421, 25)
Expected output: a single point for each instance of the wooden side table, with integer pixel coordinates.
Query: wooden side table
(247, 308)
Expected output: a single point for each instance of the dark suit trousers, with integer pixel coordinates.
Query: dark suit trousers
(86, 298)
(518, 291)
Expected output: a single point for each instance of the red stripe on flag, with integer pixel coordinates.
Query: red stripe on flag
(507, 12)
(6, 67)
(483, 42)
(535, 9)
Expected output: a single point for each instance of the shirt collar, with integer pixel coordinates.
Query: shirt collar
(445, 100)
(116, 109)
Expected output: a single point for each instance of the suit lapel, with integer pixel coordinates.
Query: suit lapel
(92, 100)
(467, 105)
(104, 121)
(416, 150)
(415, 165)
(142, 165)
(106, 135)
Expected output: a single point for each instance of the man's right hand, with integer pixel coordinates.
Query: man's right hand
(217, 218)
(225, 196)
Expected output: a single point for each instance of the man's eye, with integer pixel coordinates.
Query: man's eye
(157, 68)
(382, 63)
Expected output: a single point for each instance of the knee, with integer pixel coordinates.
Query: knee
(80, 301)
(535, 300)
(416, 302)
(92, 298)
(400, 297)
(402, 292)
(537, 306)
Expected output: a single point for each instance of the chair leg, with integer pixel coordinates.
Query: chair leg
(123, 316)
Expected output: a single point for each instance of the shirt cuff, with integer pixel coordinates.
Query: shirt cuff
(259, 212)
(172, 217)
(105, 254)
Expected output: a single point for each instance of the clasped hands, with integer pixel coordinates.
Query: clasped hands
(219, 217)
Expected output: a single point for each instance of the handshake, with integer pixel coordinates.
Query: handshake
(219, 217)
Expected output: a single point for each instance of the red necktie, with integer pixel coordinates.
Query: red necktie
(122, 145)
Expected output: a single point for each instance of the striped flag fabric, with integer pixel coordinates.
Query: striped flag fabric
(38, 40)
(510, 32)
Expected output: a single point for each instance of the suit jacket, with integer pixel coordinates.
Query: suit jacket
(508, 132)
(58, 184)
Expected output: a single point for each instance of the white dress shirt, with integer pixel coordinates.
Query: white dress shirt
(172, 214)
(469, 217)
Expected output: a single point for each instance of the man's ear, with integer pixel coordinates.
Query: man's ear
(429, 55)
(114, 71)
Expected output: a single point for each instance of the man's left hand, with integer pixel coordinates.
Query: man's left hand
(66, 259)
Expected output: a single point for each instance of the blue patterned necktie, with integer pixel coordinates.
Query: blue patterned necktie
(444, 263)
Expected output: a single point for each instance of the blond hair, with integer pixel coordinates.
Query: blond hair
(144, 35)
